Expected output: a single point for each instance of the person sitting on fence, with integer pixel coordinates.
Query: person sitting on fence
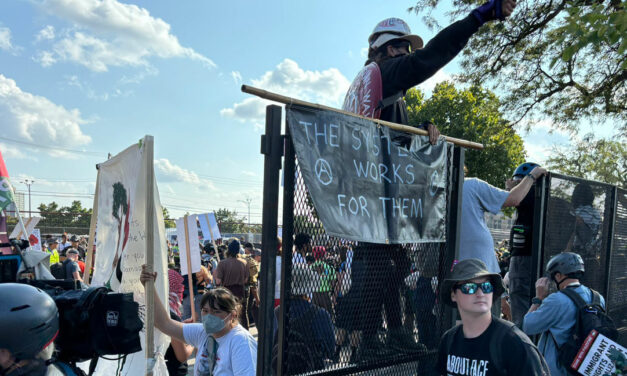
(483, 344)
(223, 347)
(311, 337)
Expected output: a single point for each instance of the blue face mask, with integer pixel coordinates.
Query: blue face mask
(212, 323)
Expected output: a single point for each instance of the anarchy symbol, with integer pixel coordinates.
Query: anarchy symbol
(324, 172)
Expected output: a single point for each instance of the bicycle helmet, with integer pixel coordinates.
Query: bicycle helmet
(391, 29)
(29, 320)
(566, 263)
(524, 169)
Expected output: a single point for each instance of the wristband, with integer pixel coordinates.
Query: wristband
(536, 300)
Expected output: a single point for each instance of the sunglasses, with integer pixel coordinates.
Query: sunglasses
(401, 44)
(470, 288)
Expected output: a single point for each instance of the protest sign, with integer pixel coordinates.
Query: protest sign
(367, 182)
(593, 359)
(191, 238)
(29, 224)
(35, 240)
(121, 246)
(209, 227)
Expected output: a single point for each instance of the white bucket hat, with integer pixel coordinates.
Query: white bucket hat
(391, 29)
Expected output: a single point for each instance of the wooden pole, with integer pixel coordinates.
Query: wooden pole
(90, 254)
(399, 127)
(189, 270)
(150, 252)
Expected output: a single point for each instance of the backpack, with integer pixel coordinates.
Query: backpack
(253, 270)
(365, 95)
(590, 316)
(303, 352)
(58, 270)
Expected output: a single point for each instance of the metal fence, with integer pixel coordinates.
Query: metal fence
(588, 218)
(375, 308)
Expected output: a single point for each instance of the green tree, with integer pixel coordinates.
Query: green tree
(601, 160)
(169, 222)
(57, 219)
(471, 114)
(229, 222)
(563, 60)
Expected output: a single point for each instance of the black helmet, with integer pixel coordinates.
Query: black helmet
(29, 320)
(524, 169)
(566, 263)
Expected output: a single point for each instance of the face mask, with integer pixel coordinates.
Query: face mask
(212, 323)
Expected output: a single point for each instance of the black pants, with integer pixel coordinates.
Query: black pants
(253, 309)
(241, 293)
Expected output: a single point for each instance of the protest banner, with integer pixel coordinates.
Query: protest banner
(124, 188)
(593, 359)
(210, 229)
(35, 240)
(29, 224)
(367, 182)
(188, 244)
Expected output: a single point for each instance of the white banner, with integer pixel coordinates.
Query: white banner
(593, 358)
(35, 240)
(121, 246)
(194, 245)
(209, 227)
(29, 223)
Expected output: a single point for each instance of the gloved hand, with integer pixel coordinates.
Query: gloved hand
(494, 10)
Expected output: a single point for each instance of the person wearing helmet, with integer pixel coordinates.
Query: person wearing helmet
(520, 242)
(397, 61)
(555, 315)
(29, 324)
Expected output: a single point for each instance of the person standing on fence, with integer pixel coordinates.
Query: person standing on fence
(479, 197)
(232, 273)
(520, 247)
(483, 344)
(397, 62)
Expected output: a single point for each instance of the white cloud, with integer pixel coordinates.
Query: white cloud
(35, 119)
(108, 33)
(169, 172)
(325, 87)
(5, 39)
(9, 151)
(45, 58)
(47, 33)
(237, 77)
(364, 52)
(541, 140)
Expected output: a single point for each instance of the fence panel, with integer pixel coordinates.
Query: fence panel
(617, 295)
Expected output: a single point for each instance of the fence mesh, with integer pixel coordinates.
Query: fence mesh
(373, 309)
(578, 219)
(617, 296)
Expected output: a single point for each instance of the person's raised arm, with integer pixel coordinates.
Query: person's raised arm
(518, 193)
(163, 322)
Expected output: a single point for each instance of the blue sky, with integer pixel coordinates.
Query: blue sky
(83, 78)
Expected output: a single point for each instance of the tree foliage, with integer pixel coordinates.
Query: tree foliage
(600, 160)
(471, 114)
(563, 60)
(230, 222)
(169, 222)
(57, 219)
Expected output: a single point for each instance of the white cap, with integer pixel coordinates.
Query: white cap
(391, 29)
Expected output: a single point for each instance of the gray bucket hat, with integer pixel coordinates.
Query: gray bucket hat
(466, 270)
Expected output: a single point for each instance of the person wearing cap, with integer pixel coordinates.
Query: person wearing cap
(72, 270)
(554, 316)
(233, 274)
(74, 243)
(401, 62)
(479, 197)
(483, 344)
(52, 250)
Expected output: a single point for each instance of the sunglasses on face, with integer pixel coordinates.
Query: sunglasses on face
(470, 288)
(401, 45)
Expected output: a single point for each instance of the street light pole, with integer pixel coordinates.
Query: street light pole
(247, 201)
(28, 183)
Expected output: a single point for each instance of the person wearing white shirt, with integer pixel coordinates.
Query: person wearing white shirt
(224, 347)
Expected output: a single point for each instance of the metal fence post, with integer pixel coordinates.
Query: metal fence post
(272, 148)
(454, 219)
(610, 244)
(537, 235)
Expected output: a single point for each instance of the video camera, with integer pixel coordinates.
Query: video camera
(93, 322)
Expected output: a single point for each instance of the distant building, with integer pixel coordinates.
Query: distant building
(20, 202)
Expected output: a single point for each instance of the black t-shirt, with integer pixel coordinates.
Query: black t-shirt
(524, 218)
(175, 368)
(475, 356)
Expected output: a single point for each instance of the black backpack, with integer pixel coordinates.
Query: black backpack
(58, 270)
(590, 316)
(303, 351)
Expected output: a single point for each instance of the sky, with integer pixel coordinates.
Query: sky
(83, 78)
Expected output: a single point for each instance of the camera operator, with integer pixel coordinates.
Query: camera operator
(29, 324)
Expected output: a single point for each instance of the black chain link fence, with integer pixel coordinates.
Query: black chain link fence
(359, 308)
(590, 218)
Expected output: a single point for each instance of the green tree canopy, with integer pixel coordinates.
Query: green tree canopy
(563, 60)
(73, 218)
(601, 160)
(229, 221)
(471, 114)
(169, 222)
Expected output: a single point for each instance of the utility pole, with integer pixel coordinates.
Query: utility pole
(28, 183)
(247, 201)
